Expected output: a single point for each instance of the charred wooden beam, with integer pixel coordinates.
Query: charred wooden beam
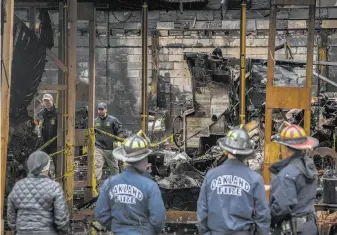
(155, 66)
(56, 61)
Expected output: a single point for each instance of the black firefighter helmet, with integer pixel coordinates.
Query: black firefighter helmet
(237, 143)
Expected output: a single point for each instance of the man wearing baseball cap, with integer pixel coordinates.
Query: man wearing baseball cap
(47, 128)
(105, 124)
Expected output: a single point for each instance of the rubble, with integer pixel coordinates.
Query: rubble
(326, 222)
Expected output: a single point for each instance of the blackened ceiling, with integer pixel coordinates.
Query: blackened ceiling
(163, 4)
(132, 4)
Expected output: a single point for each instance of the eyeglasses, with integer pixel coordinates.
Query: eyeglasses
(100, 109)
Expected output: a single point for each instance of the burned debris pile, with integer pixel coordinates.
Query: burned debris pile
(180, 177)
(326, 222)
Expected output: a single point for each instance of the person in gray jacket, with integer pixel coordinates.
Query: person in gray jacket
(36, 205)
(232, 199)
(131, 203)
(293, 189)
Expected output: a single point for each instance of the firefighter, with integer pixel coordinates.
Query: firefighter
(293, 188)
(131, 202)
(104, 143)
(232, 198)
(47, 128)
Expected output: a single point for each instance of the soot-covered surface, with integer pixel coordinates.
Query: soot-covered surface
(29, 59)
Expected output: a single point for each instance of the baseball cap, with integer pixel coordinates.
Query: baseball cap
(102, 105)
(47, 97)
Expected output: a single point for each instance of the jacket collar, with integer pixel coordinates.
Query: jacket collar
(37, 176)
(278, 166)
(234, 161)
(51, 111)
(103, 118)
(136, 171)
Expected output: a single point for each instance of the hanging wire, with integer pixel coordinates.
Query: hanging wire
(122, 21)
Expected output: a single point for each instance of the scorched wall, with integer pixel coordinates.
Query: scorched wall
(119, 61)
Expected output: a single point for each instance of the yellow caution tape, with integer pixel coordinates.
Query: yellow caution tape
(47, 143)
(53, 154)
(91, 134)
(111, 135)
(91, 137)
(163, 141)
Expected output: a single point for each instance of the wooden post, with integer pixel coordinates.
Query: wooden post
(144, 67)
(69, 161)
(62, 49)
(310, 61)
(243, 36)
(285, 97)
(6, 73)
(155, 67)
(91, 180)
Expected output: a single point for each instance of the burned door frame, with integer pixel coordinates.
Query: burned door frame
(286, 97)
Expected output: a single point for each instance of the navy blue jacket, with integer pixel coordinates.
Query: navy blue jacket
(293, 190)
(232, 198)
(110, 125)
(131, 203)
(48, 121)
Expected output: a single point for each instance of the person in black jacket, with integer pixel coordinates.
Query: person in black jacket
(294, 184)
(105, 124)
(47, 128)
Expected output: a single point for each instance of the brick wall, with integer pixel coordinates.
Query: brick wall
(118, 59)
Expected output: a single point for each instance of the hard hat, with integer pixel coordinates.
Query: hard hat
(237, 142)
(294, 136)
(135, 148)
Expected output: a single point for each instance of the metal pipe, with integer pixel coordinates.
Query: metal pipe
(144, 67)
(243, 61)
(325, 79)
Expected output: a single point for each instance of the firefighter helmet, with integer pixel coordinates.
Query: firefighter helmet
(294, 136)
(237, 142)
(135, 148)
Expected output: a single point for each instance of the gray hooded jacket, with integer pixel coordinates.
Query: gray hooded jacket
(293, 190)
(36, 205)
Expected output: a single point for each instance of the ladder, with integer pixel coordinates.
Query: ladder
(286, 97)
